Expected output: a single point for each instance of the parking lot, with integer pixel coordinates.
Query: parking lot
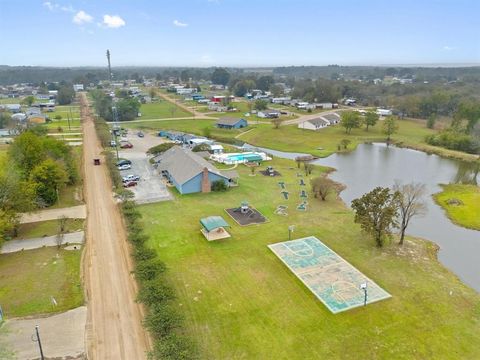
(151, 187)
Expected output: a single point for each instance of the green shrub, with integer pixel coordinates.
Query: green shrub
(219, 185)
(153, 292)
(160, 148)
(143, 253)
(149, 269)
(161, 320)
(173, 347)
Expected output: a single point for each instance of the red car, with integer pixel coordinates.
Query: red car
(129, 184)
(126, 146)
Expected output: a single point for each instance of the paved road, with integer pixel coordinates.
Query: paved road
(62, 335)
(35, 243)
(114, 324)
(74, 212)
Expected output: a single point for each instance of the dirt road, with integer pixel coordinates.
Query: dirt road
(114, 323)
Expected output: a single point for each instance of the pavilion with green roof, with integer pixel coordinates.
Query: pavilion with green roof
(213, 228)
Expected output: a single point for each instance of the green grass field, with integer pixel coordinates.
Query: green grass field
(241, 302)
(191, 126)
(291, 138)
(162, 109)
(466, 214)
(47, 228)
(28, 280)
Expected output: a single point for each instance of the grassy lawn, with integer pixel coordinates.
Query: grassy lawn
(241, 302)
(162, 109)
(47, 228)
(3, 157)
(28, 280)
(466, 214)
(290, 138)
(411, 133)
(191, 126)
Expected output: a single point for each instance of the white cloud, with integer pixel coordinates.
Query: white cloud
(179, 24)
(448, 48)
(49, 5)
(52, 6)
(82, 17)
(68, 8)
(113, 21)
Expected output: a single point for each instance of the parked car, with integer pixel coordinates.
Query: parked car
(126, 145)
(140, 134)
(129, 184)
(124, 167)
(131, 177)
(124, 162)
(113, 143)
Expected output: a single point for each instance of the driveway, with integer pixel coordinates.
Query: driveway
(62, 336)
(74, 212)
(35, 243)
(151, 187)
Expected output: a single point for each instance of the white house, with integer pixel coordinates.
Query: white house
(280, 100)
(384, 112)
(78, 87)
(268, 114)
(314, 124)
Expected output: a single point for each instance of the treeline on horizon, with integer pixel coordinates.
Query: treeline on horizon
(37, 74)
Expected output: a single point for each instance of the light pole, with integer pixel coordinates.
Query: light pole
(36, 338)
(290, 231)
(364, 287)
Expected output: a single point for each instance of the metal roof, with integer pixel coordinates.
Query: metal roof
(213, 222)
(228, 120)
(183, 164)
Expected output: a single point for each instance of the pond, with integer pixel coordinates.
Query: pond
(372, 165)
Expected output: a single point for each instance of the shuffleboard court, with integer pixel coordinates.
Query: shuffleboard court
(334, 281)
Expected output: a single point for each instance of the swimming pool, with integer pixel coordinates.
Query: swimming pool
(239, 158)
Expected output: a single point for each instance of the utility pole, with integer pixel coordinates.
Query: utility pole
(36, 338)
(109, 66)
(116, 127)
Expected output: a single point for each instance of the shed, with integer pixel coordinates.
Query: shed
(231, 123)
(213, 228)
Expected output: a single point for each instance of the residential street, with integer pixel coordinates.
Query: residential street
(114, 323)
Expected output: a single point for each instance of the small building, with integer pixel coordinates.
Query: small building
(384, 112)
(268, 114)
(215, 149)
(231, 123)
(314, 124)
(213, 228)
(13, 108)
(77, 87)
(324, 106)
(189, 172)
(332, 118)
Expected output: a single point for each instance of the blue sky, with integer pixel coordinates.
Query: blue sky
(239, 32)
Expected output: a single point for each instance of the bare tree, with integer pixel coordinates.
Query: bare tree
(62, 223)
(59, 239)
(277, 122)
(323, 186)
(308, 168)
(410, 204)
(62, 228)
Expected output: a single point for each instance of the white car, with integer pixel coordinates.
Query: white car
(125, 167)
(131, 177)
